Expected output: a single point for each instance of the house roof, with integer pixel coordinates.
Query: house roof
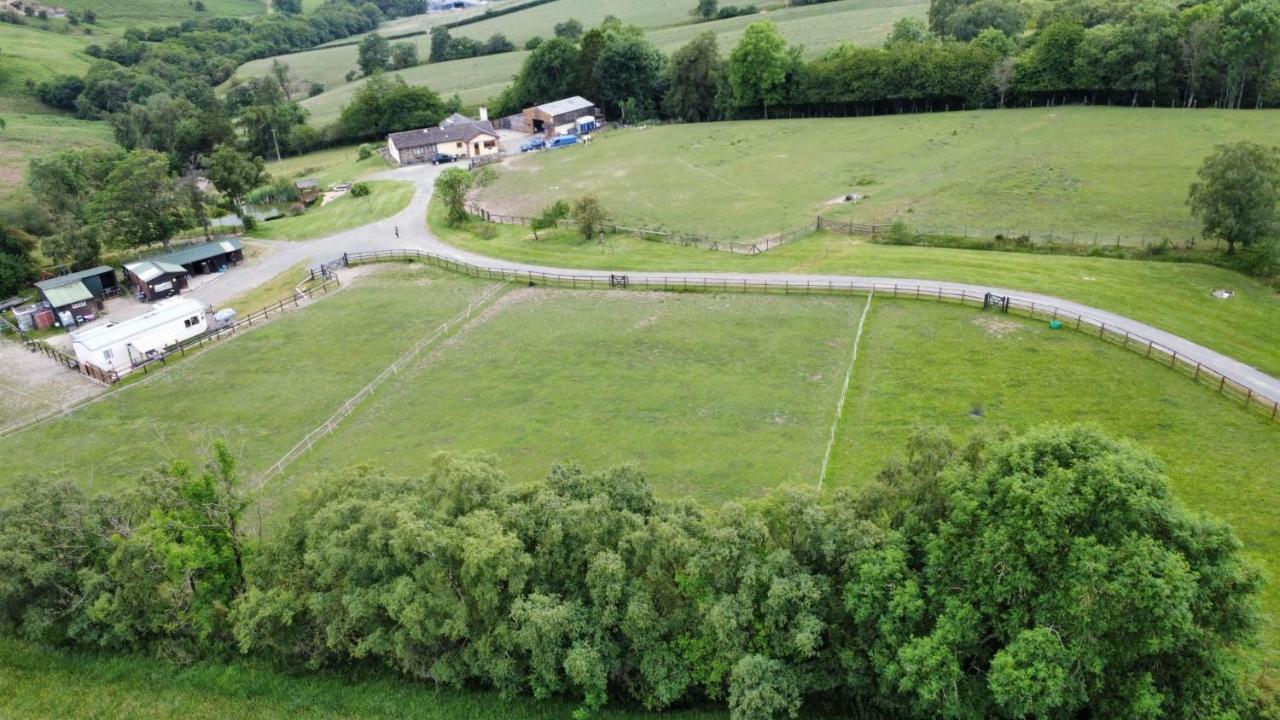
(196, 253)
(67, 294)
(73, 277)
(568, 105)
(454, 128)
(160, 314)
(148, 270)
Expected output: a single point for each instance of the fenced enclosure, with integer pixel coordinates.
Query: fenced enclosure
(1218, 379)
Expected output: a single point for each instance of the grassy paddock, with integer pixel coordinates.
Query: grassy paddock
(1103, 171)
(718, 396)
(34, 54)
(1172, 296)
(43, 684)
(952, 367)
(260, 392)
(386, 199)
(333, 165)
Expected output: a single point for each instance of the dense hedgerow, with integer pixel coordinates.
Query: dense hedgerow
(1051, 575)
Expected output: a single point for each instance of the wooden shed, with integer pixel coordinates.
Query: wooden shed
(77, 297)
(155, 279)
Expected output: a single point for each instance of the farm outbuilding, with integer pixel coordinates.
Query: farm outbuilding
(308, 190)
(119, 346)
(78, 296)
(562, 117)
(206, 257)
(155, 279)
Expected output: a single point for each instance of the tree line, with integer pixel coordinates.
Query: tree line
(1047, 575)
(969, 54)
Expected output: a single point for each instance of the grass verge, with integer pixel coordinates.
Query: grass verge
(386, 199)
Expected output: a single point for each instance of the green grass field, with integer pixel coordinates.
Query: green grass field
(119, 15)
(260, 392)
(334, 165)
(387, 198)
(1089, 171)
(1173, 296)
(26, 136)
(717, 396)
(41, 684)
(816, 27)
(29, 53)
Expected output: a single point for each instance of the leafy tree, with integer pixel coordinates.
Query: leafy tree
(549, 73)
(570, 29)
(533, 42)
(694, 77)
(389, 104)
(452, 187)
(17, 268)
(280, 72)
(1049, 576)
(590, 216)
(61, 92)
(550, 217)
(65, 181)
(706, 9)
(79, 248)
(139, 203)
(360, 190)
(1250, 44)
(374, 53)
(287, 7)
(1051, 63)
(1199, 41)
(995, 42)
(234, 173)
(908, 30)
(403, 55)
(629, 68)
(498, 43)
(1237, 193)
(758, 67)
(440, 44)
(1007, 16)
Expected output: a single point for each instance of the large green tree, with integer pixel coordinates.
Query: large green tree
(373, 54)
(695, 76)
(452, 187)
(17, 268)
(1053, 576)
(234, 173)
(139, 202)
(629, 72)
(758, 67)
(1237, 193)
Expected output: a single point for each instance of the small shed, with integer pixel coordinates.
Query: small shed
(120, 346)
(77, 297)
(308, 190)
(155, 279)
(205, 257)
(560, 117)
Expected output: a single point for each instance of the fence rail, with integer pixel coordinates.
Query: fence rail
(394, 368)
(1205, 374)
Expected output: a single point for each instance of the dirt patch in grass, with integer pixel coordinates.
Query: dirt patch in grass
(997, 327)
(34, 386)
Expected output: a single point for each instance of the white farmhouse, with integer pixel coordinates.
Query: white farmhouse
(120, 346)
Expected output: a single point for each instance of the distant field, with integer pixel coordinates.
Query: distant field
(817, 27)
(28, 53)
(28, 136)
(118, 15)
(334, 165)
(1092, 171)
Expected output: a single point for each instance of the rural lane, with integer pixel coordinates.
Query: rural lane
(414, 235)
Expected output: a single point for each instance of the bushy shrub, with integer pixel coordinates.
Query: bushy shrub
(360, 190)
(364, 152)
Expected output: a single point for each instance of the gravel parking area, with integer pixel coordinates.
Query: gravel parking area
(32, 385)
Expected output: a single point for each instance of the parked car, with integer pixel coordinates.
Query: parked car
(533, 144)
(563, 140)
(441, 159)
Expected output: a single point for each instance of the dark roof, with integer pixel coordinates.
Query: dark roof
(453, 129)
(73, 277)
(196, 253)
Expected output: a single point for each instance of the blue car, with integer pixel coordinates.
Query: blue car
(563, 140)
(533, 144)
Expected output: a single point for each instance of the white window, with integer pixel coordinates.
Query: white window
(106, 354)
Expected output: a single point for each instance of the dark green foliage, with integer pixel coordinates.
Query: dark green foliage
(695, 76)
(360, 190)
(17, 268)
(1051, 575)
(570, 29)
(452, 187)
(61, 93)
(629, 68)
(157, 567)
(549, 73)
(385, 105)
(550, 217)
(403, 55)
(1237, 193)
(374, 54)
(139, 202)
(234, 173)
(287, 7)
(589, 215)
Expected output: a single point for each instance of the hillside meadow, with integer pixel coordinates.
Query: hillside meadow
(1088, 172)
(476, 80)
